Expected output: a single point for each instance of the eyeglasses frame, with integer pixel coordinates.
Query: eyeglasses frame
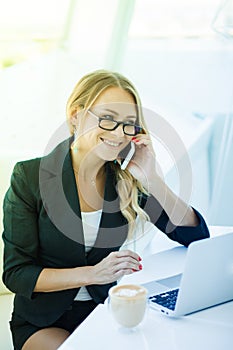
(117, 124)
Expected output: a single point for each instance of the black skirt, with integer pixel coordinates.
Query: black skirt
(21, 330)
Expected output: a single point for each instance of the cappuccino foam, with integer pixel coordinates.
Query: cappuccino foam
(126, 292)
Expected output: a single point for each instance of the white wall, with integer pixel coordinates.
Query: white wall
(191, 75)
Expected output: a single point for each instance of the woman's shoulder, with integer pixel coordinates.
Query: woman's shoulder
(25, 177)
(24, 166)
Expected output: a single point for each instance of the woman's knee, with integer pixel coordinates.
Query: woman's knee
(46, 339)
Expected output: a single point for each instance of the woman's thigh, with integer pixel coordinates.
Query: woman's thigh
(26, 335)
(46, 339)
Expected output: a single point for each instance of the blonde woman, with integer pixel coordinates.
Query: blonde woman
(66, 215)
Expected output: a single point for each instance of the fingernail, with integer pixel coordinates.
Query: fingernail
(133, 138)
(140, 267)
(139, 258)
(134, 270)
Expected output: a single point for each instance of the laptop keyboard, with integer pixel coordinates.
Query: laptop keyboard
(167, 299)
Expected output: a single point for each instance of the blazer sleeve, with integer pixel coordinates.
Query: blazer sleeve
(20, 236)
(181, 234)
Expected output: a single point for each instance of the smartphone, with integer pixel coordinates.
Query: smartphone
(129, 156)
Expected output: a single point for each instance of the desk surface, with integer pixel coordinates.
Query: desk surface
(208, 329)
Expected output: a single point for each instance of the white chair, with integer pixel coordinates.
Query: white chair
(6, 297)
(6, 306)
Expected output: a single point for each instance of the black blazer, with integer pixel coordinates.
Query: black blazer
(43, 228)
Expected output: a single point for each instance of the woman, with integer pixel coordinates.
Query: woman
(66, 215)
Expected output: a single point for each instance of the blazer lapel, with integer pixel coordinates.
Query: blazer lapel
(59, 192)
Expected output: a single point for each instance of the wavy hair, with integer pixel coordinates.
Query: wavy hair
(83, 96)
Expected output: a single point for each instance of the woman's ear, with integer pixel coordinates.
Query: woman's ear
(73, 118)
(74, 115)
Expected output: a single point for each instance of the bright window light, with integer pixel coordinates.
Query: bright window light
(29, 28)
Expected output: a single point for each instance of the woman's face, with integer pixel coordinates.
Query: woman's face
(113, 103)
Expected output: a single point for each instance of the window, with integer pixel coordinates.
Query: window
(29, 28)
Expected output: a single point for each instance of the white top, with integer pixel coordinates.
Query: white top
(91, 222)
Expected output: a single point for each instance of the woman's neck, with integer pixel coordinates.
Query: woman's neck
(90, 179)
(87, 167)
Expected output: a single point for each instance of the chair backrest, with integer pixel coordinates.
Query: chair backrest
(6, 167)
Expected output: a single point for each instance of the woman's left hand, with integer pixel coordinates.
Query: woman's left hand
(143, 164)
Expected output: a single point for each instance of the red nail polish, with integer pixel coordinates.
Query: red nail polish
(139, 258)
(140, 267)
(134, 270)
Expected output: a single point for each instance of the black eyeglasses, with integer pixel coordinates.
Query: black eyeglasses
(108, 123)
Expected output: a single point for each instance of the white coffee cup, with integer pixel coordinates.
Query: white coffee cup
(128, 304)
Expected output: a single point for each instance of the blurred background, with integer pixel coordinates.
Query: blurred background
(179, 54)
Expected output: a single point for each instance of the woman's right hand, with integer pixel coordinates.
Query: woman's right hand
(116, 265)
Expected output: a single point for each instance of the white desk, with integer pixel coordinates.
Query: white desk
(208, 329)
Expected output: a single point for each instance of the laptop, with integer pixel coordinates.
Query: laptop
(207, 279)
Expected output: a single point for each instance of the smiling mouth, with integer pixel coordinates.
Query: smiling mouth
(111, 143)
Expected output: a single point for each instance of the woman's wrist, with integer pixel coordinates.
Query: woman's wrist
(85, 276)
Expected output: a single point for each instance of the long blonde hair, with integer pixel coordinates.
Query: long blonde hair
(83, 96)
